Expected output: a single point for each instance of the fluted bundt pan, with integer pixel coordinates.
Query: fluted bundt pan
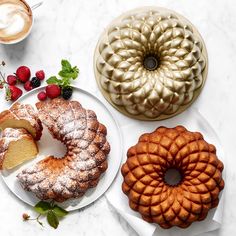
(150, 63)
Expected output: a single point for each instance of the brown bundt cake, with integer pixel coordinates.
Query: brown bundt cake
(22, 116)
(86, 158)
(16, 147)
(155, 199)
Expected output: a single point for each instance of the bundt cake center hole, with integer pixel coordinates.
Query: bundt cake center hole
(150, 62)
(173, 177)
(51, 146)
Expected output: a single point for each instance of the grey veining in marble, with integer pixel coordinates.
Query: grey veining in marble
(70, 29)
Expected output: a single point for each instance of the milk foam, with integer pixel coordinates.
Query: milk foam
(15, 20)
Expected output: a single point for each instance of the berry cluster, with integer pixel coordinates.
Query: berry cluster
(60, 86)
(56, 86)
(54, 91)
(21, 76)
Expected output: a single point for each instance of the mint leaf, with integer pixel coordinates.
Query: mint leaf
(66, 82)
(52, 80)
(42, 207)
(65, 74)
(75, 73)
(59, 211)
(52, 219)
(65, 65)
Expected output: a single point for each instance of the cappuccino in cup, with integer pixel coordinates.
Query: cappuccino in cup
(16, 20)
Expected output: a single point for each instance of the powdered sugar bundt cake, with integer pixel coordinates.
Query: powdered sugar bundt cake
(150, 63)
(22, 116)
(16, 147)
(155, 199)
(86, 157)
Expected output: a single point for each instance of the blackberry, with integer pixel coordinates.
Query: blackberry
(67, 92)
(35, 82)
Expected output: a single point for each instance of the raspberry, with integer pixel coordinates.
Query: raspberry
(40, 74)
(35, 82)
(42, 96)
(11, 79)
(67, 92)
(28, 86)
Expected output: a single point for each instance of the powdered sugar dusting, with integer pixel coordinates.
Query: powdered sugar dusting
(27, 112)
(85, 161)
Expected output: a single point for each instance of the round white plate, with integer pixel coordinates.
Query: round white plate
(49, 146)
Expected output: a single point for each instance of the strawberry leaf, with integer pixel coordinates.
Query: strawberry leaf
(42, 207)
(8, 93)
(52, 219)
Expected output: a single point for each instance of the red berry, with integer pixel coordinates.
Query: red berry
(42, 96)
(23, 73)
(40, 74)
(11, 79)
(28, 86)
(13, 93)
(53, 91)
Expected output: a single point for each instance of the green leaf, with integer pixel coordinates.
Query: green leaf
(52, 219)
(74, 75)
(65, 65)
(65, 74)
(60, 212)
(42, 207)
(52, 80)
(75, 72)
(66, 82)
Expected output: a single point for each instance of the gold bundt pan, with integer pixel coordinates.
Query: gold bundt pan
(142, 93)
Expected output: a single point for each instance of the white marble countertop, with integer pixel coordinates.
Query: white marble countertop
(70, 29)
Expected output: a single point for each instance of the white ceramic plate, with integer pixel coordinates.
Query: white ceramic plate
(49, 146)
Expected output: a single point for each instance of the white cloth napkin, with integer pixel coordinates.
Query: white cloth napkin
(193, 121)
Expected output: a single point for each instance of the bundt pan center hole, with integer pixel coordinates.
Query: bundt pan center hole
(173, 177)
(150, 62)
(51, 146)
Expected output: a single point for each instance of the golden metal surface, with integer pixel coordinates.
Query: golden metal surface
(123, 77)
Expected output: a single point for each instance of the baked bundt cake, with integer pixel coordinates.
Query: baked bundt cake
(16, 147)
(22, 116)
(158, 201)
(150, 63)
(86, 158)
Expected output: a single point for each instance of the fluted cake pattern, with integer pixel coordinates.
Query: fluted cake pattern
(172, 205)
(150, 94)
(86, 158)
(22, 112)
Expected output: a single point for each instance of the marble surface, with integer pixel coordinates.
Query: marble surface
(70, 29)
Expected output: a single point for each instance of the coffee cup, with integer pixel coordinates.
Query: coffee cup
(16, 21)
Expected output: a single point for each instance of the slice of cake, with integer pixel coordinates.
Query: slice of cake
(22, 116)
(16, 147)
